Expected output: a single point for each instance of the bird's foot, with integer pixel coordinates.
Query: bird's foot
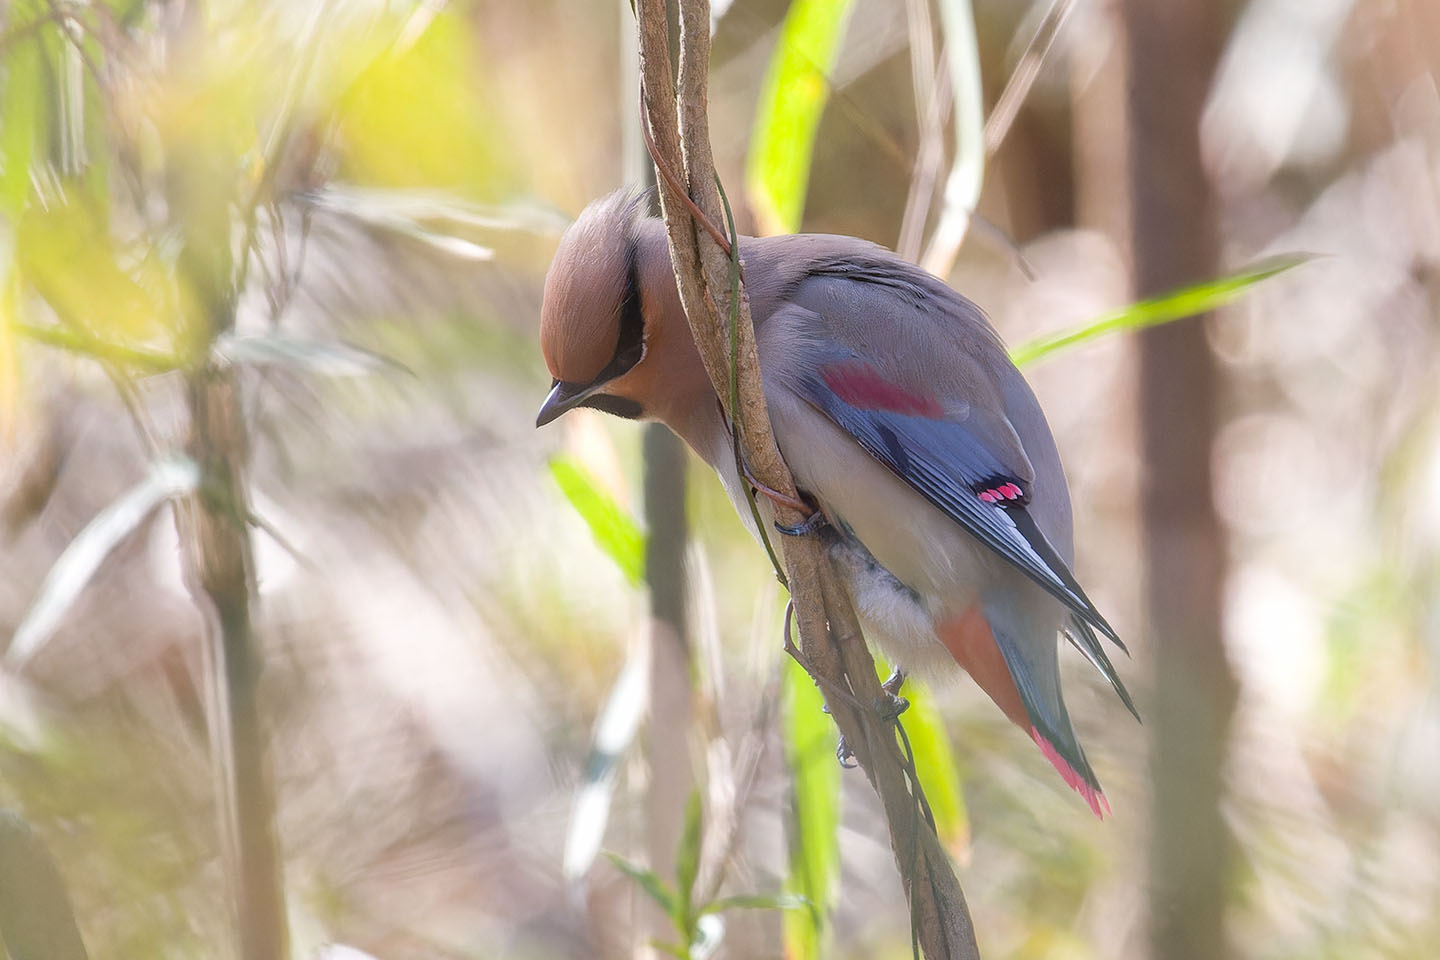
(889, 707)
(894, 683)
(844, 754)
(890, 704)
(805, 527)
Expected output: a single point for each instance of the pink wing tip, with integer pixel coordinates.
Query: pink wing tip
(1093, 796)
(1005, 491)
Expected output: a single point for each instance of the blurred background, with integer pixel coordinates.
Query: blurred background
(304, 615)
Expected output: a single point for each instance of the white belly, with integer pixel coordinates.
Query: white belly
(907, 566)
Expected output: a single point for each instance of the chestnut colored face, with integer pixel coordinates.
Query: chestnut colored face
(591, 323)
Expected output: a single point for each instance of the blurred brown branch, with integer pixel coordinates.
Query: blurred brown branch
(1173, 56)
(835, 654)
(214, 525)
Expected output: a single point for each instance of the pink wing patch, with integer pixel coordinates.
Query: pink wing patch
(1001, 493)
(1092, 796)
(860, 386)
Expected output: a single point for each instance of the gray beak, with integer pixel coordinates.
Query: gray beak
(563, 396)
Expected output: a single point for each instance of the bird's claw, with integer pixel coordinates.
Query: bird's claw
(894, 682)
(805, 527)
(889, 707)
(844, 754)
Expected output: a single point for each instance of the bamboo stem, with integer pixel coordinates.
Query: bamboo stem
(222, 580)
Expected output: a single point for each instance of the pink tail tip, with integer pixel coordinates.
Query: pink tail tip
(1093, 796)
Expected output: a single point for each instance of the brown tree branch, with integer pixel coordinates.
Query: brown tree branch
(831, 641)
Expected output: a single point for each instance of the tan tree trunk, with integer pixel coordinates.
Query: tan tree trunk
(1173, 48)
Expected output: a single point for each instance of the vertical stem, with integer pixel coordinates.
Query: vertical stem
(673, 765)
(222, 577)
(214, 526)
(1174, 48)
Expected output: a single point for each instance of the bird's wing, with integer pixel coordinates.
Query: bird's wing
(917, 376)
(950, 463)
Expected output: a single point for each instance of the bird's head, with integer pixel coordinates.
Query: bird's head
(612, 329)
(592, 322)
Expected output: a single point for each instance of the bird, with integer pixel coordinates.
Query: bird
(903, 421)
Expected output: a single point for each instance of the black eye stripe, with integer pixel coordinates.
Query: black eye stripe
(630, 346)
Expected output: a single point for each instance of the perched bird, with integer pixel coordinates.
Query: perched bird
(900, 416)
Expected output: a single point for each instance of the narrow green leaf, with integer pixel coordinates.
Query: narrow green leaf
(614, 530)
(687, 865)
(1175, 305)
(815, 813)
(935, 765)
(675, 950)
(84, 344)
(76, 566)
(967, 169)
(792, 99)
(22, 105)
(653, 886)
(758, 901)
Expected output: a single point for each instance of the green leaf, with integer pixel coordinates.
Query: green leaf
(687, 865)
(792, 99)
(1175, 305)
(967, 169)
(815, 812)
(758, 901)
(169, 478)
(81, 343)
(653, 886)
(935, 766)
(614, 530)
(22, 104)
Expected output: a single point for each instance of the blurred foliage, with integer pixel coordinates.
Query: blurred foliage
(695, 923)
(442, 623)
(814, 854)
(427, 95)
(934, 760)
(793, 97)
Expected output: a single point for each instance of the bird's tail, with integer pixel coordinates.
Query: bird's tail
(1024, 681)
(1031, 654)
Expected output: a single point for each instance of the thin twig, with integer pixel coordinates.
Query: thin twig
(673, 182)
(1017, 88)
(929, 88)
